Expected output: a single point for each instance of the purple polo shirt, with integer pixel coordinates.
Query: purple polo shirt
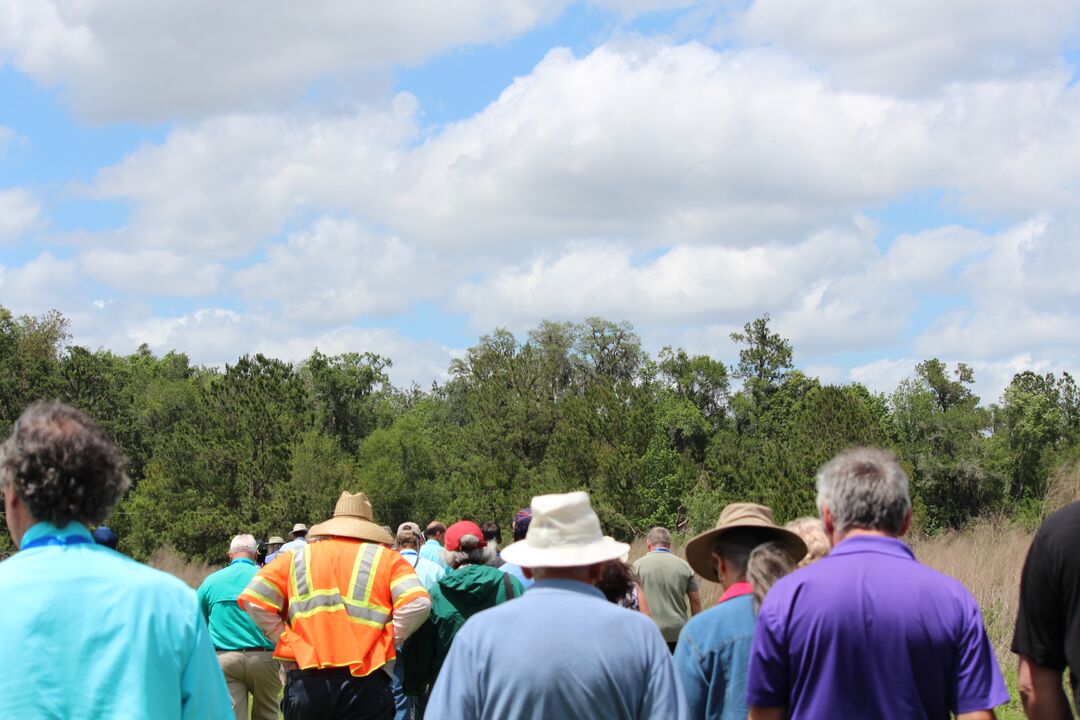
(868, 632)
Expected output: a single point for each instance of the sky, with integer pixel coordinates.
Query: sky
(890, 181)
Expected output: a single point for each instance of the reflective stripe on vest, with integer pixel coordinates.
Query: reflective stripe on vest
(357, 606)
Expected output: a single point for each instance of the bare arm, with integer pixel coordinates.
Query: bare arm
(1041, 691)
(695, 601)
(767, 713)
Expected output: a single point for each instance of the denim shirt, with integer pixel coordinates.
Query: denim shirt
(712, 659)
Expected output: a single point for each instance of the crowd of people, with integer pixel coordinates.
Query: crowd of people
(829, 617)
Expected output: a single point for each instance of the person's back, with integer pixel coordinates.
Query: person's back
(595, 655)
(869, 632)
(89, 633)
(669, 584)
(464, 592)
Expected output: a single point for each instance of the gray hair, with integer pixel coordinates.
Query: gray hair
(659, 537)
(767, 563)
(62, 465)
(243, 544)
(407, 538)
(864, 488)
(470, 553)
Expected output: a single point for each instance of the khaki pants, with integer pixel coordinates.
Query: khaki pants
(255, 673)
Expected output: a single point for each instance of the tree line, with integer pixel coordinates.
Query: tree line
(665, 440)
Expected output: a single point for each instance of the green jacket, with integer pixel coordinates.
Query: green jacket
(457, 597)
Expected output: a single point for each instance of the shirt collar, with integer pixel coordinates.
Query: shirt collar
(873, 544)
(661, 549)
(576, 586)
(42, 529)
(407, 551)
(242, 560)
(736, 590)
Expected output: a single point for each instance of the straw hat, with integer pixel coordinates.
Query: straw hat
(564, 532)
(276, 540)
(353, 519)
(740, 515)
(299, 528)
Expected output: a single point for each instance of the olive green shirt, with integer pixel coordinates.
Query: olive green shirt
(666, 579)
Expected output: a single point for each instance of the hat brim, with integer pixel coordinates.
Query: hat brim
(528, 555)
(699, 549)
(351, 527)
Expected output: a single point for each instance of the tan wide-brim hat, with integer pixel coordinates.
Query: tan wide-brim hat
(740, 515)
(353, 519)
(564, 532)
(276, 540)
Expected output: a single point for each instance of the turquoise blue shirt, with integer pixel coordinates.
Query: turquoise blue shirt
(433, 550)
(90, 634)
(230, 627)
(559, 651)
(713, 660)
(428, 572)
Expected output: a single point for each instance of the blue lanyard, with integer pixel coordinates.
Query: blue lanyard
(56, 540)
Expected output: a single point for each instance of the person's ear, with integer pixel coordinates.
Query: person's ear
(527, 572)
(906, 525)
(829, 522)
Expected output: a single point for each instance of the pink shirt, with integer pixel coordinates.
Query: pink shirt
(736, 590)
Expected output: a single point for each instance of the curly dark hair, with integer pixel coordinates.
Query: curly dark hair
(62, 465)
(616, 580)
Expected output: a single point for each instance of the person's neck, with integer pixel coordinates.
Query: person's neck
(860, 532)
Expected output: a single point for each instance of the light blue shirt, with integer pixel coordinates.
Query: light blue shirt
(586, 658)
(433, 550)
(91, 634)
(292, 545)
(516, 571)
(428, 572)
(713, 660)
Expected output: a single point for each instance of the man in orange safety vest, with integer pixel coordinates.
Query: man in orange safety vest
(336, 609)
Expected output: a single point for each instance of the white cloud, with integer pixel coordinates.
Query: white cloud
(152, 272)
(129, 59)
(42, 284)
(916, 45)
(216, 336)
(19, 212)
(885, 374)
(337, 271)
(685, 284)
(223, 186)
(641, 142)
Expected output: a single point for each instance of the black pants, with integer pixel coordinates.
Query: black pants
(337, 695)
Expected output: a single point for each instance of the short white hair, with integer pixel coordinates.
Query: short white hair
(243, 544)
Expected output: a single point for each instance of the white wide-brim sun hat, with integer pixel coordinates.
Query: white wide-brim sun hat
(564, 532)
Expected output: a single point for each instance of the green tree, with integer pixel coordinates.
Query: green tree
(764, 361)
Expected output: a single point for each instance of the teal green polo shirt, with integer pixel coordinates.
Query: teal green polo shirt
(91, 634)
(230, 627)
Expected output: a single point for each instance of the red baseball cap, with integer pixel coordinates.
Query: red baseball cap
(460, 529)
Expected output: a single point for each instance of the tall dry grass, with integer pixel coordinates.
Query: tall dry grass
(987, 558)
(191, 572)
